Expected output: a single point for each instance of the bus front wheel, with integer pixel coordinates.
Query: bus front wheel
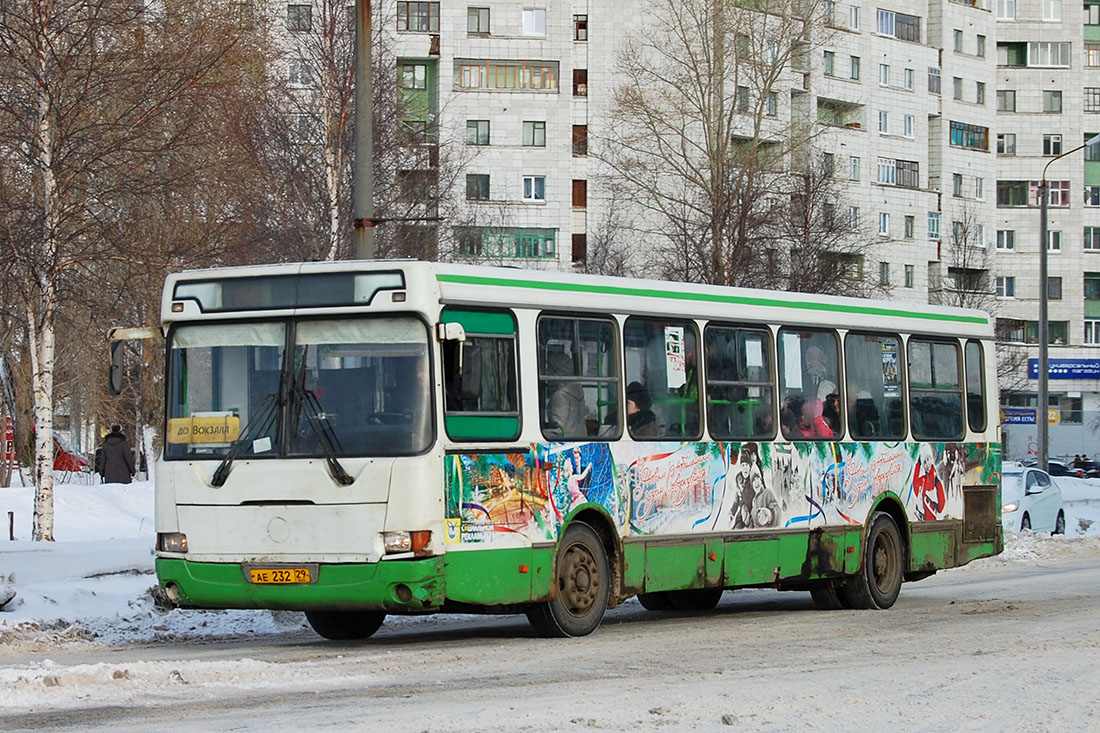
(878, 581)
(345, 625)
(583, 586)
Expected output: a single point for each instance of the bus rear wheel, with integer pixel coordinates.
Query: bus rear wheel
(878, 581)
(829, 597)
(583, 586)
(345, 625)
(655, 601)
(701, 599)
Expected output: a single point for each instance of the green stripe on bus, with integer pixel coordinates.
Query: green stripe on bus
(705, 297)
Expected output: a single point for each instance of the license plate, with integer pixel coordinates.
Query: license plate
(279, 576)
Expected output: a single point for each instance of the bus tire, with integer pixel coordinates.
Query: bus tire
(345, 625)
(878, 582)
(696, 599)
(583, 586)
(828, 597)
(656, 601)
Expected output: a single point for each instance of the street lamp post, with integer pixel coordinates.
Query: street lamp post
(1042, 418)
(363, 165)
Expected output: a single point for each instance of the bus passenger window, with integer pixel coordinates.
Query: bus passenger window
(874, 386)
(809, 378)
(578, 378)
(935, 390)
(975, 386)
(480, 396)
(662, 361)
(740, 394)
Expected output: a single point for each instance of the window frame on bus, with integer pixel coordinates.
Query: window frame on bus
(982, 394)
(852, 391)
(603, 432)
(693, 373)
(914, 391)
(838, 359)
(770, 384)
(453, 420)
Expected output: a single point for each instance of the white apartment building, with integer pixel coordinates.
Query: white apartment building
(938, 121)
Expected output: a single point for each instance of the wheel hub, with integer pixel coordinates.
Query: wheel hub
(579, 581)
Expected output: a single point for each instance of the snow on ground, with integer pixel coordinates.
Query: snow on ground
(94, 584)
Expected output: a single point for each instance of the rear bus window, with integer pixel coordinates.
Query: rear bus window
(935, 390)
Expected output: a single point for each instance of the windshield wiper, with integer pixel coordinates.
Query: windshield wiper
(320, 426)
(265, 412)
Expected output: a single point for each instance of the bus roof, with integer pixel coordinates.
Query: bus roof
(509, 286)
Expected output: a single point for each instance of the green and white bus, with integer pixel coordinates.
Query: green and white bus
(357, 439)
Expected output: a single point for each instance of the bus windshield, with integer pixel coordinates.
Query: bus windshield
(333, 387)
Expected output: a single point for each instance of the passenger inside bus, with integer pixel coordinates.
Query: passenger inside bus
(811, 424)
(564, 416)
(639, 417)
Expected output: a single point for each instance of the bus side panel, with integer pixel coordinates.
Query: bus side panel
(752, 561)
(932, 546)
(673, 567)
(498, 576)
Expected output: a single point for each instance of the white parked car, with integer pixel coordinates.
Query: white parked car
(1030, 500)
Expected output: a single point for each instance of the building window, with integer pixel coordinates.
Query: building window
(1057, 192)
(1092, 239)
(1092, 50)
(908, 173)
(477, 21)
(908, 126)
(534, 21)
(1052, 101)
(1048, 53)
(477, 186)
(956, 184)
(883, 121)
(580, 82)
(900, 26)
(1006, 143)
(1052, 10)
(1092, 152)
(580, 27)
(1092, 14)
(534, 133)
(1092, 97)
(979, 92)
(1092, 286)
(981, 45)
(1006, 100)
(970, 136)
(910, 276)
(853, 17)
(1012, 193)
(910, 226)
(1006, 9)
(741, 99)
(884, 223)
(887, 171)
(580, 193)
(908, 75)
(979, 189)
(958, 87)
(418, 17)
(771, 104)
(958, 34)
(1006, 287)
(580, 140)
(830, 63)
(1054, 288)
(477, 132)
(1092, 195)
(853, 217)
(853, 66)
(534, 188)
(884, 273)
(299, 73)
(853, 168)
(1092, 331)
(933, 225)
(299, 17)
(934, 78)
(506, 75)
(1052, 144)
(828, 162)
(884, 75)
(413, 76)
(1054, 241)
(1006, 240)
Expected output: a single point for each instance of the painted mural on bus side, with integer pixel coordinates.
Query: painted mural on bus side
(649, 488)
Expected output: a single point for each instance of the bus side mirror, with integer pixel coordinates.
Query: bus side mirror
(114, 371)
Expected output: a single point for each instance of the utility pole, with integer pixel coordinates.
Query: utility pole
(363, 181)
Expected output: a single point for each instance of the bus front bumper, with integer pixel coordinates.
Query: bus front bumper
(402, 586)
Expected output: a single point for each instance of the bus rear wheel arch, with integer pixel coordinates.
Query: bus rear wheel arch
(878, 582)
(582, 577)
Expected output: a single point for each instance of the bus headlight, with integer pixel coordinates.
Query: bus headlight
(172, 542)
(404, 541)
(1009, 508)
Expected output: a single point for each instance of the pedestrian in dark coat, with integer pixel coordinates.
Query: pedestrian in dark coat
(118, 459)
